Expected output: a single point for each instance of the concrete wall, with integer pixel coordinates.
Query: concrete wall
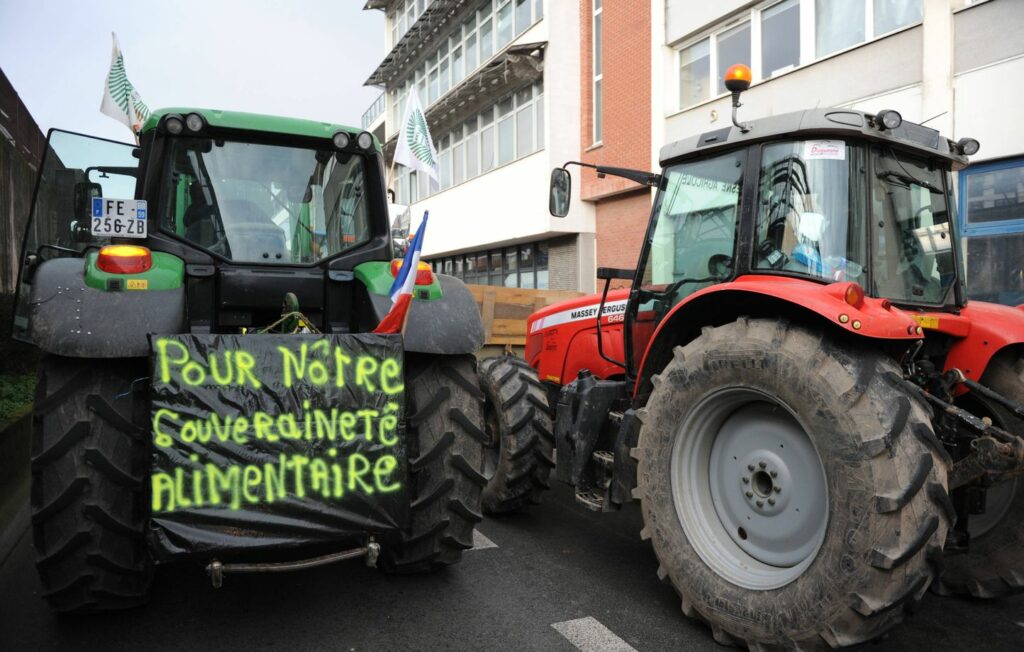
(683, 18)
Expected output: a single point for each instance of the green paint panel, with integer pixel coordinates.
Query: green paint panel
(257, 122)
(167, 273)
(376, 276)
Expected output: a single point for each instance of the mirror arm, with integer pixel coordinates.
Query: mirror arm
(651, 179)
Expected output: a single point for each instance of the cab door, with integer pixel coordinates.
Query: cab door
(691, 242)
(75, 169)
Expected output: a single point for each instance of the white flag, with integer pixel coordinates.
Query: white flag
(120, 99)
(415, 147)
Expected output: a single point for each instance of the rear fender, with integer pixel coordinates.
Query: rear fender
(773, 297)
(68, 317)
(447, 325)
(992, 328)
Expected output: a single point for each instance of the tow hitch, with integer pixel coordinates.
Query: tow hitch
(216, 568)
(996, 452)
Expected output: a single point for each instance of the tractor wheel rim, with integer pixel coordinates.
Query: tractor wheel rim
(998, 500)
(749, 488)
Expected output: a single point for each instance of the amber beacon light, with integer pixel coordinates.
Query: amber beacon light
(737, 79)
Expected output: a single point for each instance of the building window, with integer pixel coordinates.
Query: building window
(992, 221)
(780, 38)
(505, 25)
(695, 73)
(733, 47)
(773, 38)
(521, 266)
(598, 118)
(838, 25)
(506, 132)
(994, 193)
(894, 14)
(459, 56)
(511, 129)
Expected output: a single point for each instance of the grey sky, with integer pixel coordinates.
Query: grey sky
(299, 58)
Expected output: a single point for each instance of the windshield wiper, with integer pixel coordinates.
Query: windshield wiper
(888, 175)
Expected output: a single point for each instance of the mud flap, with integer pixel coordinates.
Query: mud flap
(269, 442)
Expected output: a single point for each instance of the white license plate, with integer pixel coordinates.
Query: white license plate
(120, 218)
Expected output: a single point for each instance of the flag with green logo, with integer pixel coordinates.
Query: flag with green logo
(120, 99)
(415, 147)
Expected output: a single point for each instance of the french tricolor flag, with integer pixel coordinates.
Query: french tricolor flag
(405, 282)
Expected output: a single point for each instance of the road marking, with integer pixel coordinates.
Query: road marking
(589, 635)
(1021, 624)
(480, 541)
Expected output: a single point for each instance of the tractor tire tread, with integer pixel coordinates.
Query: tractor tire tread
(520, 427)
(893, 548)
(88, 464)
(445, 443)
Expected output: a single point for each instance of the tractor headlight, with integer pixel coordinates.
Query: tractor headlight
(194, 122)
(888, 119)
(365, 140)
(174, 125)
(341, 140)
(968, 146)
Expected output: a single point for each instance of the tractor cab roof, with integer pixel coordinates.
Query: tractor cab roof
(255, 122)
(831, 123)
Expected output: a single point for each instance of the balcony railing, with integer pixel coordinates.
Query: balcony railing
(375, 110)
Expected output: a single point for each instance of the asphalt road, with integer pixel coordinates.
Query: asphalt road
(555, 574)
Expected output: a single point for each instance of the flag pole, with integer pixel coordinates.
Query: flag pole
(391, 172)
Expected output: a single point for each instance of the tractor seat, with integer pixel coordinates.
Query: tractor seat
(252, 233)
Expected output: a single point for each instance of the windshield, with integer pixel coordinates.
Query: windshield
(811, 210)
(813, 213)
(253, 202)
(913, 257)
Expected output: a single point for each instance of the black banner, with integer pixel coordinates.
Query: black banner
(273, 441)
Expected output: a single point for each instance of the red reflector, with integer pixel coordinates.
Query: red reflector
(124, 259)
(424, 273)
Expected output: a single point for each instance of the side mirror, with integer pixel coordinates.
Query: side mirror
(84, 193)
(560, 192)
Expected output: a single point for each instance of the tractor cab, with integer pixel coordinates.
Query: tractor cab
(215, 222)
(795, 202)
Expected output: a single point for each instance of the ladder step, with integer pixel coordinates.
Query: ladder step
(605, 458)
(590, 499)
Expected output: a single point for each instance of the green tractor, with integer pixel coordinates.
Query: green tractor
(210, 389)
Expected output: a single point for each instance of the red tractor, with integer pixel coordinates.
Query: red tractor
(817, 423)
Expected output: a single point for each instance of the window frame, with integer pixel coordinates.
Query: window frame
(459, 265)
(808, 55)
(1000, 227)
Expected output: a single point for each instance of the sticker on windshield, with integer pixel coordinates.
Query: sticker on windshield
(121, 218)
(834, 150)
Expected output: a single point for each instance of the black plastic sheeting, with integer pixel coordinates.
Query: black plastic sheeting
(269, 442)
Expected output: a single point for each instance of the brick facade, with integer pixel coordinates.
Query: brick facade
(622, 206)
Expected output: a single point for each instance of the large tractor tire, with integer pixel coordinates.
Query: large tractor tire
(89, 462)
(446, 440)
(993, 565)
(795, 496)
(518, 417)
